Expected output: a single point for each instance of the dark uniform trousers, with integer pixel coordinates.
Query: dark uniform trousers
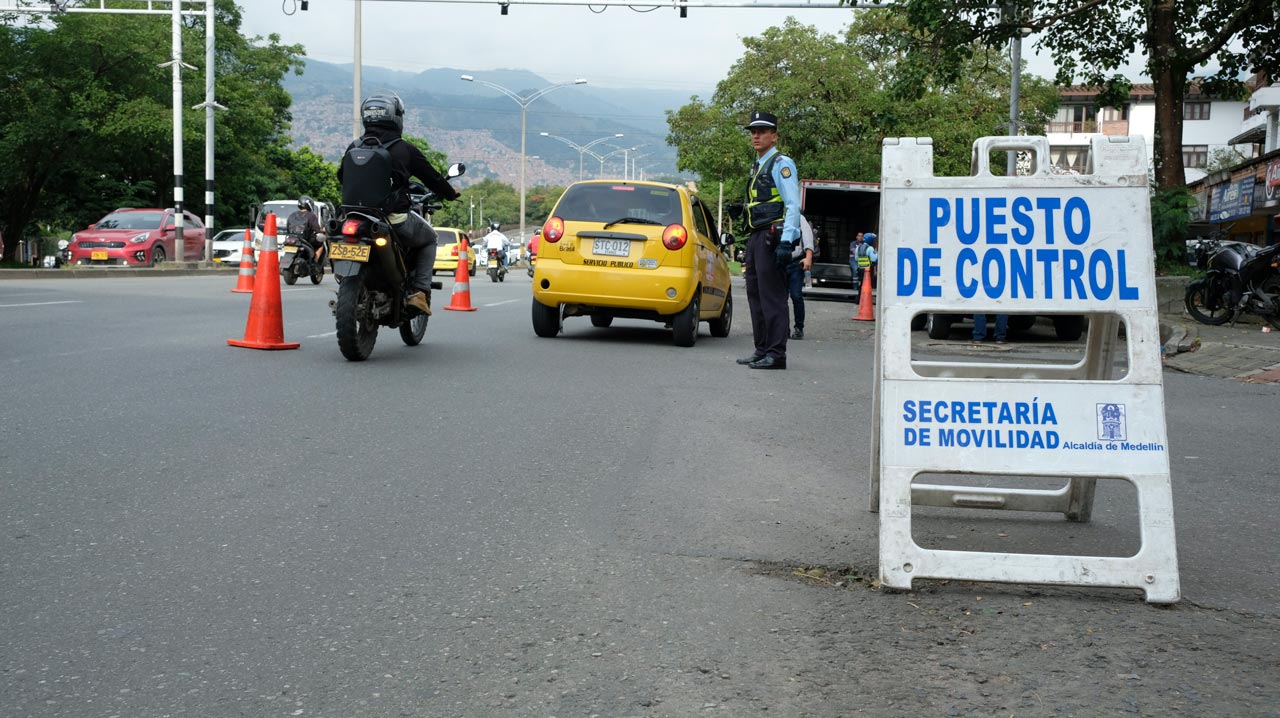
(767, 294)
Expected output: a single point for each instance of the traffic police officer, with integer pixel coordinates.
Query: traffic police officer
(773, 216)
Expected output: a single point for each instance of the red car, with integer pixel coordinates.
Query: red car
(133, 237)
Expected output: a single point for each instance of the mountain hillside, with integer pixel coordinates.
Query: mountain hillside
(479, 126)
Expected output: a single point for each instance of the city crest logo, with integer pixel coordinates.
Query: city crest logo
(1111, 422)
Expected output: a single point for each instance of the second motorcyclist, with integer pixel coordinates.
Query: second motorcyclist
(497, 240)
(305, 224)
(383, 119)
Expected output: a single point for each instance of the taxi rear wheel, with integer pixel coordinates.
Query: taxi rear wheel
(546, 320)
(720, 325)
(685, 324)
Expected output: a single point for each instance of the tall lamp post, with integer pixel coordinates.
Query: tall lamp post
(607, 155)
(524, 101)
(581, 148)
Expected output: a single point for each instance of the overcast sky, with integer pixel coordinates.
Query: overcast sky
(615, 47)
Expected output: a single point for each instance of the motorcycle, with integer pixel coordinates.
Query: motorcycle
(373, 276)
(1238, 278)
(497, 267)
(533, 260)
(298, 259)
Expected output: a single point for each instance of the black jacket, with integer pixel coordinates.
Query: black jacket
(409, 162)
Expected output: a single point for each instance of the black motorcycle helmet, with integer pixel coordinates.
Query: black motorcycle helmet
(305, 202)
(382, 111)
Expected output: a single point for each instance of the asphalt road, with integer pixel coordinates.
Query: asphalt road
(492, 524)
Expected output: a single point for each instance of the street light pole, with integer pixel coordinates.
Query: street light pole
(524, 101)
(582, 149)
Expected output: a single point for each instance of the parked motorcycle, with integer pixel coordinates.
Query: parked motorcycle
(1238, 278)
(373, 276)
(298, 259)
(497, 267)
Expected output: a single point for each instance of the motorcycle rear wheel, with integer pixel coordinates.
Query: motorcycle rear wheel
(317, 273)
(289, 277)
(1197, 300)
(356, 333)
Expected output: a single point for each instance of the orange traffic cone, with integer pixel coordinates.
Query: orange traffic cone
(865, 311)
(265, 328)
(461, 299)
(244, 281)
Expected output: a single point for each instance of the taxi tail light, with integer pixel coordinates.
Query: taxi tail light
(553, 230)
(674, 236)
(455, 250)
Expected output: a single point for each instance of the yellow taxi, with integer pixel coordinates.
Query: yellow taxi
(447, 252)
(635, 250)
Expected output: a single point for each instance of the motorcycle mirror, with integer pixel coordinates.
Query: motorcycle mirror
(726, 239)
(456, 170)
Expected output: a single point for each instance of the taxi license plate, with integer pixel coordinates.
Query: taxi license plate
(612, 247)
(291, 249)
(353, 252)
(98, 254)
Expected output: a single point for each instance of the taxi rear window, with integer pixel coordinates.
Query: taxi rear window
(607, 203)
(447, 236)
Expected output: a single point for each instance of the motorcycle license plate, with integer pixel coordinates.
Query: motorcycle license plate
(353, 252)
(289, 249)
(98, 254)
(493, 263)
(612, 247)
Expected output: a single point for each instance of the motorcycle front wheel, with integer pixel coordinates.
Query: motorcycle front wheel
(356, 331)
(1203, 306)
(1271, 285)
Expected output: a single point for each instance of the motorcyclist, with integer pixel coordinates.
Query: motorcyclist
(534, 241)
(305, 225)
(383, 119)
(497, 240)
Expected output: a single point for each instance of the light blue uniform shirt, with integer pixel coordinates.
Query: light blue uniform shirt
(788, 184)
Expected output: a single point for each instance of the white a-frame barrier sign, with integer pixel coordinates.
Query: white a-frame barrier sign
(1042, 243)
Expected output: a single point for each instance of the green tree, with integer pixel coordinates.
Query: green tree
(88, 119)
(1092, 40)
(835, 100)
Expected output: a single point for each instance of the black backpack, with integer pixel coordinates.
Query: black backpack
(367, 177)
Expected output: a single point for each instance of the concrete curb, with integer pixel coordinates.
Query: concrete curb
(171, 269)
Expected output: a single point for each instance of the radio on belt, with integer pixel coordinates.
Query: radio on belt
(1041, 243)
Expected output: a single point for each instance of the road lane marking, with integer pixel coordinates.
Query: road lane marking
(498, 304)
(41, 304)
(321, 336)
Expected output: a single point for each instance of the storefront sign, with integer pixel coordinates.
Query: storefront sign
(1273, 180)
(1232, 200)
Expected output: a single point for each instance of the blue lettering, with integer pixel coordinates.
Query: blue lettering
(1049, 205)
(939, 216)
(1073, 273)
(1026, 230)
(995, 221)
(1079, 207)
(1127, 293)
(968, 235)
(970, 287)
(993, 258)
(908, 271)
(1099, 259)
(1047, 258)
(909, 410)
(1020, 274)
(932, 272)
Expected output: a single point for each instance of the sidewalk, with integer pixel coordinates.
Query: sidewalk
(1244, 352)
